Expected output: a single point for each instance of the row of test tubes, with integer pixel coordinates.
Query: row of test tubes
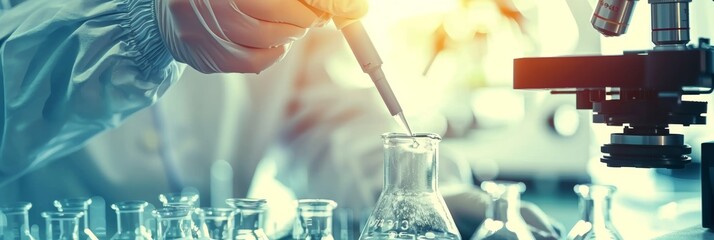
(178, 218)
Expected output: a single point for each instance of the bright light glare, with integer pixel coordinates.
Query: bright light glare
(557, 28)
(668, 211)
(497, 107)
(566, 120)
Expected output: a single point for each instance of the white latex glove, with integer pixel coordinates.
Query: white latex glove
(242, 35)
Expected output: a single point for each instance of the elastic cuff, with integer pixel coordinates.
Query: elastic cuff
(144, 41)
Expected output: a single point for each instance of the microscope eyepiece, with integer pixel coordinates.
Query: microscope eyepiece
(611, 17)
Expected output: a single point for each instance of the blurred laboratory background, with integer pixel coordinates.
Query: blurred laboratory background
(450, 63)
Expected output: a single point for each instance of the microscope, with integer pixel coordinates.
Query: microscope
(641, 91)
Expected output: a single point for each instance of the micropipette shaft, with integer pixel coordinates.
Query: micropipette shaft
(371, 63)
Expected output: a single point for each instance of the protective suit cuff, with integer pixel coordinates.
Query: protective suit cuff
(145, 44)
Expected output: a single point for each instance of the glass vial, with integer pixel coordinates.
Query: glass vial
(17, 225)
(248, 222)
(216, 223)
(410, 205)
(62, 225)
(594, 223)
(171, 221)
(314, 219)
(503, 215)
(130, 221)
(77, 205)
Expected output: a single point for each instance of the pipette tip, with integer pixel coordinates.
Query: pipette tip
(403, 122)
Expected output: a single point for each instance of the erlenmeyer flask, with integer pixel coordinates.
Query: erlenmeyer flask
(62, 225)
(248, 219)
(503, 216)
(17, 224)
(216, 223)
(410, 206)
(77, 205)
(594, 223)
(314, 219)
(170, 223)
(130, 220)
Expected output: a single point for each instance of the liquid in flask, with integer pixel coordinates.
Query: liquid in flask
(594, 204)
(249, 218)
(503, 216)
(410, 205)
(314, 219)
(79, 204)
(62, 225)
(130, 221)
(16, 226)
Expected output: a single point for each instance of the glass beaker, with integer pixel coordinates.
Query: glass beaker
(248, 219)
(503, 215)
(130, 220)
(77, 205)
(188, 199)
(171, 221)
(594, 220)
(314, 219)
(17, 225)
(410, 205)
(62, 225)
(216, 223)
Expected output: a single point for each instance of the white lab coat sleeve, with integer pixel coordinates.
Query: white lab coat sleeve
(334, 133)
(71, 69)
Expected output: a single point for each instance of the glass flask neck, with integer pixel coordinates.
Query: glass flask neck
(130, 216)
(411, 162)
(75, 205)
(506, 207)
(595, 202)
(216, 222)
(62, 225)
(16, 221)
(248, 218)
(172, 228)
(314, 219)
(171, 222)
(596, 211)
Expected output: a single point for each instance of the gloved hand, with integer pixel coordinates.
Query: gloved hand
(242, 35)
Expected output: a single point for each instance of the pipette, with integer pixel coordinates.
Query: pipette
(371, 64)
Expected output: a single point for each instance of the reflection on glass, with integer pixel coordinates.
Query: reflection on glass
(410, 205)
(249, 218)
(503, 216)
(314, 219)
(594, 223)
